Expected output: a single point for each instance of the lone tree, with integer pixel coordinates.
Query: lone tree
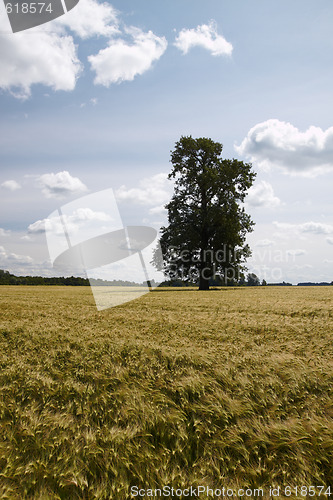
(207, 227)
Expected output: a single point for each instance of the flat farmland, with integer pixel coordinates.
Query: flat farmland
(226, 388)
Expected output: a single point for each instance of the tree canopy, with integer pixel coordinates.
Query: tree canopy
(207, 226)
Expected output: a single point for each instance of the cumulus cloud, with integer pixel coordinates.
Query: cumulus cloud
(90, 18)
(278, 144)
(262, 195)
(72, 222)
(122, 61)
(4, 232)
(87, 214)
(316, 228)
(11, 185)
(47, 54)
(204, 36)
(22, 265)
(8, 258)
(296, 252)
(151, 191)
(60, 184)
(329, 240)
(306, 227)
(37, 57)
(158, 210)
(265, 243)
(38, 227)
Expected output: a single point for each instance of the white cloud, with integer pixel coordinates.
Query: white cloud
(72, 222)
(60, 184)
(265, 243)
(278, 144)
(11, 185)
(159, 210)
(297, 252)
(8, 259)
(37, 227)
(262, 195)
(151, 191)
(90, 18)
(316, 228)
(37, 57)
(329, 240)
(87, 214)
(205, 36)
(121, 61)
(47, 54)
(23, 265)
(306, 227)
(3, 232)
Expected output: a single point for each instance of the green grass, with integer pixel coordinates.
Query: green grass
(226, 388)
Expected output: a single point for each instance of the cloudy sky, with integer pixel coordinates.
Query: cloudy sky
(97, 99)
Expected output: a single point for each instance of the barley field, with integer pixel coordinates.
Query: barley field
(230, 387)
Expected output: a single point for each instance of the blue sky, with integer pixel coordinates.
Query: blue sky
(97, 99)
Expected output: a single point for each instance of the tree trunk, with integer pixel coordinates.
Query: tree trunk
(203, 283)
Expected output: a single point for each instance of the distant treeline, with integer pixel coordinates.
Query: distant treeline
(323, 283)
(7, 278)
(179, 283)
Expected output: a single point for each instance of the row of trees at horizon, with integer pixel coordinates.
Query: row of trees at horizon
(6, 278)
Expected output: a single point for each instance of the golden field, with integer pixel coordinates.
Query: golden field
(230, 387)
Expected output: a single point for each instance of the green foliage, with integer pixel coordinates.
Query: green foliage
(7, 278)
(252, 280)
(207, 226)
(177, 388)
